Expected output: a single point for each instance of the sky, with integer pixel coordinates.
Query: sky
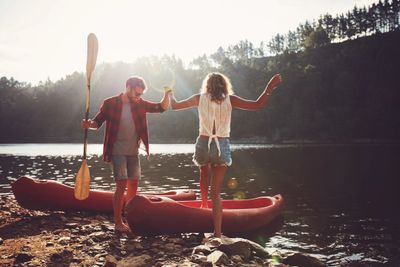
(46, 39)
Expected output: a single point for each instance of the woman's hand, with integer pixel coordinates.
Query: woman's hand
(273, 83)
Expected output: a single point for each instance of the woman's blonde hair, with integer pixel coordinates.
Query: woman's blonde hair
(217, 85)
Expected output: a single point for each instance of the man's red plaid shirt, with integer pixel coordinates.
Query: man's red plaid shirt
(110, 112)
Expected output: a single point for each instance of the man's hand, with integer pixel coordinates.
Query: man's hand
(87, 124)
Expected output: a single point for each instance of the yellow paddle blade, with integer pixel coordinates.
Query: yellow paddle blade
(82, 182)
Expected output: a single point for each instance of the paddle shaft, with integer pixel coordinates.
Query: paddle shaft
(86, 118)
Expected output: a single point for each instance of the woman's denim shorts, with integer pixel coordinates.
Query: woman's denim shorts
(203, 155)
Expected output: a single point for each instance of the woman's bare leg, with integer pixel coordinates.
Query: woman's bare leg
(218, 173)
(204, 179)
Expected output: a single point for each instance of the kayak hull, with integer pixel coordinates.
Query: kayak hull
(44, 195)
(158, 215)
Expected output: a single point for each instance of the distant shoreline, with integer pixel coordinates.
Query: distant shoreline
(240, 141)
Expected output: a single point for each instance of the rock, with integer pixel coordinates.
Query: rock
(64, 240)
(156, 245)
(72, 225)
(276, 264)
(169, 247)
(241, 246)
(187, 263)
(23, 257)
(218, 257)
(154, 251)
(196, 258)
(187, 251)
(1, 241)
(135, 246)
(5, 208)
(201, 249)
(207, 264)
(237, 259)
(49, 244)
(26, 248)
(302, 260)
(175, 240)
(195, 238)
(178, 247)
(111, 261)
(107, 228)
(142, 260)
(6, 213)
(213, 242)
(100, 218)
(58, 231)
(99, 236)
(78, 246)
(97, 247)
(64, 256)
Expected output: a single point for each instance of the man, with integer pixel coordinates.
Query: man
(126, 127)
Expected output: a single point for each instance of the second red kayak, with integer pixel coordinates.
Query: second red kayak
(52, 195)
(148, 215)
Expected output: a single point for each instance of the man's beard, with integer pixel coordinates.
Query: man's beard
(135, 97)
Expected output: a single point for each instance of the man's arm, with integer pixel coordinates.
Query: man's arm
(157, 107)
(165, 100)
(97, 121)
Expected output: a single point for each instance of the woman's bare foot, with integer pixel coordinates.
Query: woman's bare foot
(122, 228)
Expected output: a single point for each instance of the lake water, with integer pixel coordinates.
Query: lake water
(341, 201)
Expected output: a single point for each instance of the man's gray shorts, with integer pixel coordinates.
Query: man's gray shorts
(126, 167)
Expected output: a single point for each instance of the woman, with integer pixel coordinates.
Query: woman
(212, 152)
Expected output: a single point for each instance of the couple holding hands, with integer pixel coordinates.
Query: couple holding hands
(126, 126)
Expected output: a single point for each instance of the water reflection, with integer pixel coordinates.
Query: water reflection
(341, 202)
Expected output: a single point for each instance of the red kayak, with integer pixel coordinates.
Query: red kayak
(150, 215)
(52, 195)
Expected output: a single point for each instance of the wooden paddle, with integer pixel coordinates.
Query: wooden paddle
(82, 181)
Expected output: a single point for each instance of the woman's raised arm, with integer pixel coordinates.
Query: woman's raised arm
(262, 100)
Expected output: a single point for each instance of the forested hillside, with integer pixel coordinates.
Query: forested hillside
(341, 84)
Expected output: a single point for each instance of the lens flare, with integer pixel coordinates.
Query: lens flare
(239, 195)
(163, 77)
(232, 183)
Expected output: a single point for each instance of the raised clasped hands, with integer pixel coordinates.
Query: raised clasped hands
(167, 89)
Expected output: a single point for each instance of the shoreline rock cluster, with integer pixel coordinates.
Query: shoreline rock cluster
(36, 238)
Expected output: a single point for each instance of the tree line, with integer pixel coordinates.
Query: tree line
(379, 17)
(338, 92)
